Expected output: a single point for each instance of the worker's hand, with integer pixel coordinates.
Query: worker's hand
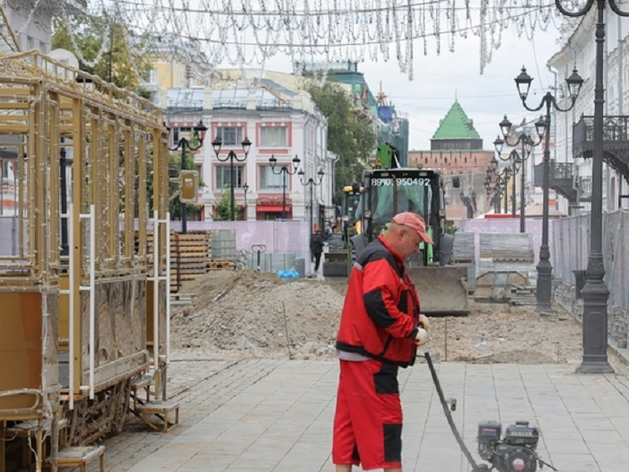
(423, 322)
(421, 337)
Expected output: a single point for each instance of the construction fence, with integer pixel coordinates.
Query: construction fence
(569, 245)
(569, 241)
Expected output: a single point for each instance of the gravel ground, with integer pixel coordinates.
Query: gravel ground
(248, 314)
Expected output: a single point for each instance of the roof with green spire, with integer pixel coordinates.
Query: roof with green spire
(456, 125)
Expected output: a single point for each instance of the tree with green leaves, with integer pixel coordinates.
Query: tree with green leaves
(224, 207)
(352, 140)
(117, 64)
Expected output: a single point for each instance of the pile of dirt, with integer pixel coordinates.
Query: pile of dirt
(247, 313)
(499, 333)
(258, 314)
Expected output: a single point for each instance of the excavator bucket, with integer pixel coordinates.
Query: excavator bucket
(443, 290)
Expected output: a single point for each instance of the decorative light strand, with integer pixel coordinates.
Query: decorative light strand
(244, 32)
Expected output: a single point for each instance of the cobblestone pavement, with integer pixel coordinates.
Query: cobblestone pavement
(268, 415)
(199, 390)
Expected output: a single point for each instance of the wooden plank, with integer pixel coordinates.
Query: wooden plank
(192, 255)
(194, 264)
(13, 91)
(158, 407)
(15, 105)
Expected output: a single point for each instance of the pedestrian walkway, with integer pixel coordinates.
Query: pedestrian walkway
(276, 416)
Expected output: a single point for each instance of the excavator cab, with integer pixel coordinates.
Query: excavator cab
(442, 286)
(391, 191)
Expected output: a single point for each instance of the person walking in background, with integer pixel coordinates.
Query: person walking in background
(316, 247)
(329, 230)
(379, 332)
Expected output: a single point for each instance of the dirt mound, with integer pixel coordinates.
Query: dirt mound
(499, 333)
(258, 314)
(247, 313)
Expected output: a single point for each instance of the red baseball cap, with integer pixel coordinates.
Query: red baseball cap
(413, 220)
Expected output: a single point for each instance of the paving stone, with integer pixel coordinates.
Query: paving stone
(269, 415)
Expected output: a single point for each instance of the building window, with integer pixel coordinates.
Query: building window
(230, 135)
(223, 180)
(273, 136)
(269, 180)
(150, 76)
(179, 133)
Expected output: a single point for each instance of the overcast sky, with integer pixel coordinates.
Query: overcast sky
(438, 79)
(485, 98)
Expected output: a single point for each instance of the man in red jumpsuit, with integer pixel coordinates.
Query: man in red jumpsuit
(379, 332)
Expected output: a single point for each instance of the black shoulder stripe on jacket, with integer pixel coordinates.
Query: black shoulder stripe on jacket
(378, 251)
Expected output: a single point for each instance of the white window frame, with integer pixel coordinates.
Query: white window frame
(231, 136)
(221, 176)
(273, 136)
(269, 180)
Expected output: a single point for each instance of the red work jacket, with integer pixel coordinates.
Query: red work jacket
(381, 309)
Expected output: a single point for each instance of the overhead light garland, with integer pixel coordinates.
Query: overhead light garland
(253, 31)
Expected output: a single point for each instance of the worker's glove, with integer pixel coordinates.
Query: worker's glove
(421, 337)
(423, 322)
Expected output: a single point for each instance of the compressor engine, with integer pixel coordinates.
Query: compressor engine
(515, 452)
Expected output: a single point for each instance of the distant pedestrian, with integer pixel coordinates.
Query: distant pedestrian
(316, 247)
(328, 231)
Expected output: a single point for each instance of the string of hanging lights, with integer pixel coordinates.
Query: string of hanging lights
(253, 31)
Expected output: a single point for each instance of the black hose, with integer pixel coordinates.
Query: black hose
(446, 410)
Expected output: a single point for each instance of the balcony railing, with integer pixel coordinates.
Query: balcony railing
(560, 178)
(615, 141)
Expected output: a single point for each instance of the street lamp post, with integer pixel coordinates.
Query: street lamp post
(492, 189)
(312, 183)
(231, 156)
(496, 183)
(489, 190)
(544, 267)
(184, 144)
(284, 171)
(504, 176)
(513, 158)
(528, 143)
(595, 292)
(245, 187)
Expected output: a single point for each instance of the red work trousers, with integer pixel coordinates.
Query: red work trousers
(368, 418)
